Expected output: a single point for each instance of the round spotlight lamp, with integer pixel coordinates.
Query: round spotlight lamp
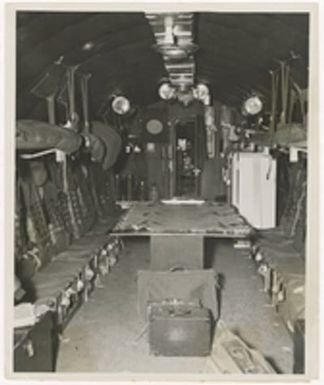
(253, 105)
(121, 105)
(201, 91)
(166, 91)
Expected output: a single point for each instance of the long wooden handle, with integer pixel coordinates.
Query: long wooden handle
(282, 65)
(287, 76)
(51, 109)
(85, 102)
(274, 98)
(71, 90)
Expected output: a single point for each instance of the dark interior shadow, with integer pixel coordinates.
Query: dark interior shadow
(209, 253)
(220, 284)
(30, 291)
(55, 341)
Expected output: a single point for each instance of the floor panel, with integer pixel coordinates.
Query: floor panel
(107, 335)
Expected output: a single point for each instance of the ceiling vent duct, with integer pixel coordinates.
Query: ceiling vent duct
(174, 41)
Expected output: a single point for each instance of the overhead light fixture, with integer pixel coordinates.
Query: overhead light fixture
(120, 105)
(185, 93)
(201, 91)
(166, 91)
(253, 105)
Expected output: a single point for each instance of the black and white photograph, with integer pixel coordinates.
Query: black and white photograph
(162, 217)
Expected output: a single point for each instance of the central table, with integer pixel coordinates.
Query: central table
(177, 230)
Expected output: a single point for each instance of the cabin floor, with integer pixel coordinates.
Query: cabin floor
(107, 334)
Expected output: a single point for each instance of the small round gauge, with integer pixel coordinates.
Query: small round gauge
(154, 126)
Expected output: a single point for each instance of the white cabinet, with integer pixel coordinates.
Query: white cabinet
(254, 188)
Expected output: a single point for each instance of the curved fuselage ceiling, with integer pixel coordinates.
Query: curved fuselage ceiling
(236, 52)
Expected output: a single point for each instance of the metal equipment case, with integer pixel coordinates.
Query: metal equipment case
(180, 330)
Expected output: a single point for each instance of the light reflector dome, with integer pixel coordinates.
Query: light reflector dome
(253, 105)
(166, 91)
(201, 91)
(121, 105)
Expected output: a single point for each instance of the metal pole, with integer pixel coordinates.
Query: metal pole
(51, 109)
(85, 101)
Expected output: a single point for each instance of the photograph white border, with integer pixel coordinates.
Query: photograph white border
(312, 247)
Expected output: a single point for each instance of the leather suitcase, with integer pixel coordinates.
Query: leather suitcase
(180, 330)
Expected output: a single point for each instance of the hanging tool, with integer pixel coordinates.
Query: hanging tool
(73, 116)
(293, 99)
(72, 124)
(85, 101)
(285, 75)
(274, 99)
(282, 74)
(285, 84)
(59, 155)
(86, 131)
(51, 109)
(302, 97)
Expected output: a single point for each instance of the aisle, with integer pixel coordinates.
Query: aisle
(247, 310)
(106, 334)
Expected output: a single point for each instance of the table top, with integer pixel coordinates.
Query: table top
(207, 219)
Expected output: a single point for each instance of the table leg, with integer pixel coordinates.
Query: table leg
(184, 251)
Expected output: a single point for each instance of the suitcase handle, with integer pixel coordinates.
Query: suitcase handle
(176, 268)
(176, 312)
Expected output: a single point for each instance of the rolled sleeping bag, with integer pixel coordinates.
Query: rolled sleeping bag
(37, 135)
(97, 148)
(112, 141)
